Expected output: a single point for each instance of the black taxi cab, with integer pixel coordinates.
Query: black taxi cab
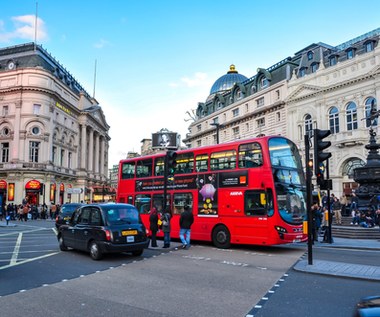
(104, 228)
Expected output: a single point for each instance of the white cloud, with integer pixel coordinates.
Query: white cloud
(199, 79)
(23, 28)
(101, 43)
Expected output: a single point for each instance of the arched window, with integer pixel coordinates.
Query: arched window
(350, 165)
(334, 120)
(310, 55)
(238, 94)
(314, 67)
(352, 116)
(264, 83)
(370, 108)
(302, 72)
(308, 125)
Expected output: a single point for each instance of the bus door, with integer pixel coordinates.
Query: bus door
(257, 209)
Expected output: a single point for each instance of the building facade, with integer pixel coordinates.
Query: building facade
(53, 135)
(321, 86)
(336, 89)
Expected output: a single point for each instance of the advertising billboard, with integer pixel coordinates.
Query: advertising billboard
(164, 140)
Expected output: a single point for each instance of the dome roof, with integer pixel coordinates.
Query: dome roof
(227, 81)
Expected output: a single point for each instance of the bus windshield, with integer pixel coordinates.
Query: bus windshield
(289, 180)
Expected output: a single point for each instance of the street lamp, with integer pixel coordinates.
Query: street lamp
(217, 125)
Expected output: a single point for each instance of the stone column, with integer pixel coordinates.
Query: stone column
(97, 163)
(102, 148)
(91, 151)
(83, 146)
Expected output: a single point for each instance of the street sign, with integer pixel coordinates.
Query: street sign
(74, 190)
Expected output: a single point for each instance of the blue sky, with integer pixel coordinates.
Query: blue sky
(158, 59)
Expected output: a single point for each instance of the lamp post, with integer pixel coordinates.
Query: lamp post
(217, 125)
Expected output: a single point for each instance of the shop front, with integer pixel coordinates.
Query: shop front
(32, 192)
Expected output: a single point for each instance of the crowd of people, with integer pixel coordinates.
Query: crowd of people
(343, 207)
(26, 211)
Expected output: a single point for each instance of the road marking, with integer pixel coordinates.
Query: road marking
(16, 249)
(28, 260)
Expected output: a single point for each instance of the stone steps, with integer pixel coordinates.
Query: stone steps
(346, 230)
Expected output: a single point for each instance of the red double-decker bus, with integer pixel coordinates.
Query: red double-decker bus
(246, 192)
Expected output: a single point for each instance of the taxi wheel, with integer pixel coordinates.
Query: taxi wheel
(62, 245)
(221, 237)
(95, 252)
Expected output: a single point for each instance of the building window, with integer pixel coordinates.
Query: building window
(199, 128)
(308, 125)
(36, 130)
(36, 109)
(278, 115)
(54, 154)
(34, 148)
(235, 112)
(370, 109)
(260, 102)
(5, 110)
(247, 127)
(239, 95)
(314, 67)
(352, 116)
(260, 122)
(219, 105)
(253, 89)
(4, 152)
(369, 46)
(333, 60)
(70, 159)
(62, 157)
(277, 94)
(5, 131)
(246, 108)
(350, 53)
(310, 55)
(334, 120)
(264, 83)
(302, 72)
(236, 132)
(199, 143)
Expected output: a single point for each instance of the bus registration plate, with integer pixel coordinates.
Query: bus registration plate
(128, 232)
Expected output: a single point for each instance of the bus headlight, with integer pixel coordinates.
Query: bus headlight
(280, 229)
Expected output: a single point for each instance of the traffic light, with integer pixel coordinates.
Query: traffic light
(171, 162)
(319, 146)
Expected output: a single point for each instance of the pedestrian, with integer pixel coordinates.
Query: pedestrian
(343, 203)
(165, 218)
(153, 220)
(354, 202)
(185, 221)
(337, 210)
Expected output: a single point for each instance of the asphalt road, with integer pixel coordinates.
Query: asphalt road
(202, 281)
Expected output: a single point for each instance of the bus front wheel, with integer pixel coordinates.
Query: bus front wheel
(221, 237)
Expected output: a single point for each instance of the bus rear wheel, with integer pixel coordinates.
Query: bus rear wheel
(221, 237)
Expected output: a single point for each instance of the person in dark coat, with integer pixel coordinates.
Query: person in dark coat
(153, 220)
(165, 218)
(185, 222)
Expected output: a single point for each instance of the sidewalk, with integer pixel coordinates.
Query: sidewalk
(343, 269)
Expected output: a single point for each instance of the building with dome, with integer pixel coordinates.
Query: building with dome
(53, 134)
(321, 86)
(239, 107)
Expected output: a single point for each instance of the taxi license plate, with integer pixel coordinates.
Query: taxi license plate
(128, 232)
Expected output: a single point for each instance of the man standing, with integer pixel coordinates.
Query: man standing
(185, 222)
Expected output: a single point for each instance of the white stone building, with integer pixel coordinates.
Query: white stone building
(53, 134)
(321, 86)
